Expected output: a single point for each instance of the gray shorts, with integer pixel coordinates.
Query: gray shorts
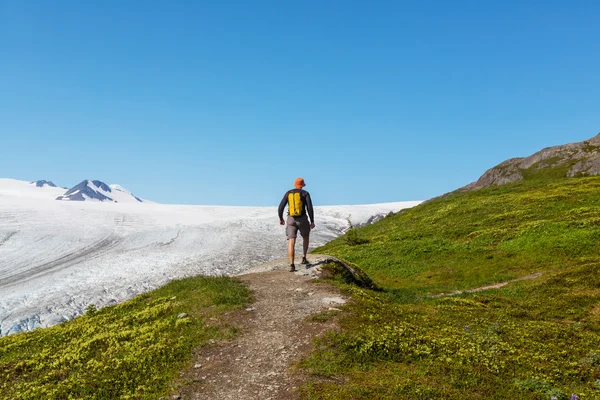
(297, 223)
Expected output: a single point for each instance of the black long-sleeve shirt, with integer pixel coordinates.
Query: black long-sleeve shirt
(307, 207)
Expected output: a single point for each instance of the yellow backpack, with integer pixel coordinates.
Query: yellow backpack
(295, 204)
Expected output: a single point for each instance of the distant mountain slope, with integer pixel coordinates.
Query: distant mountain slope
(87, 190)
(99, 191)
(39, 190)
(569, 160)
(42, 183)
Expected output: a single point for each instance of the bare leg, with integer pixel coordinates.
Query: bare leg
(305, 241)
(291, 245)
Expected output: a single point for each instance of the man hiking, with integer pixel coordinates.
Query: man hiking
(299, 205)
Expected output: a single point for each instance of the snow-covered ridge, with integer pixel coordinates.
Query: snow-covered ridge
(41, 190)
(57, 257)
(89, 190)
(42, 183)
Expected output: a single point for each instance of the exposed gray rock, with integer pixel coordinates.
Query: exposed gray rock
(76, 193)
(333, 300)
(589, 166)
(581, 158)
(96, 190)
(373, 219)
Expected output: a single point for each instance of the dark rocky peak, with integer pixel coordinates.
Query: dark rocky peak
(91, 190)
(102, 185)
(42, 183)
(95, 190)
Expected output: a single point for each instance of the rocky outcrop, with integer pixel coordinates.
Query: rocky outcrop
(577, 159)
(372, 219)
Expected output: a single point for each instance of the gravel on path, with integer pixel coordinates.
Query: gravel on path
(275, 333)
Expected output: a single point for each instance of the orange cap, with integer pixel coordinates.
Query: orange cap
(299, 183)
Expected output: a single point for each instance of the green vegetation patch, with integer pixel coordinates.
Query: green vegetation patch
(532, 339)
(552, 168)
(127, 351)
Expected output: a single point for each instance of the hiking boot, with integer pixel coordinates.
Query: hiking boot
(292, 268)
(304, 261)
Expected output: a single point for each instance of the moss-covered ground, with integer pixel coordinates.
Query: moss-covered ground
(532, 339)
(128, 351)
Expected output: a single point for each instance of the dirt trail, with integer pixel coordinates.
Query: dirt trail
(488, 287)
(275, 334)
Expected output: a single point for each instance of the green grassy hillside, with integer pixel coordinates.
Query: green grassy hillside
(128, 351)
(532, 339)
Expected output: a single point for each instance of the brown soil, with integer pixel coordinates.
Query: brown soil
(275, 334)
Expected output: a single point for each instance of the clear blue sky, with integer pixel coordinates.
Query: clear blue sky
(222, 102)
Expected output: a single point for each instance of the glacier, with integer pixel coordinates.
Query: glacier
(58, 257)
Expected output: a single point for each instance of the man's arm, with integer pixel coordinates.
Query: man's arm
(282, 206)
(309, 208)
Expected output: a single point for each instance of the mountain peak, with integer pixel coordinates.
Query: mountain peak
(568, 160)
(95, 190)
(42, 183)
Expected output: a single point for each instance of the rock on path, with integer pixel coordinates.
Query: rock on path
(275, 334)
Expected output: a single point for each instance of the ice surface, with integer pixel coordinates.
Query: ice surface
(57, 257)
